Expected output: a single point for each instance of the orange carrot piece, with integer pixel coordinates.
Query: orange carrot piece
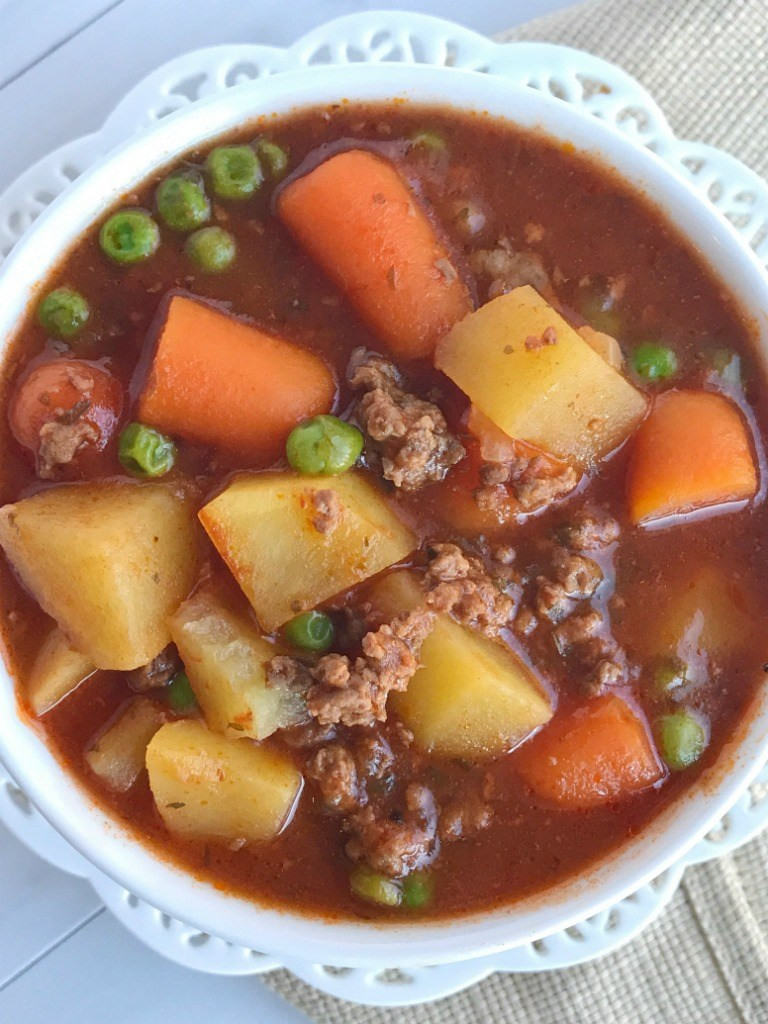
(358, 219)
(692, 451)
(219, 381)
(599, 753)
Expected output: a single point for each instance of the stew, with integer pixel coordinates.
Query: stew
(383, 512)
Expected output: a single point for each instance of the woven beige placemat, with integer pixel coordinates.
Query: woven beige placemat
(706, 960)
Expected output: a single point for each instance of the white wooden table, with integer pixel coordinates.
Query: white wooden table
(63, 66)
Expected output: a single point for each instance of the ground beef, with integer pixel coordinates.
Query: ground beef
(447, 562)
(605, 674)
(589, 530)
(577, 629)
(460, 585)
(400, 841)
(60, 440)
(373, 756)
(504, 268)
(307, 735)
(68, 431)
(580, 576)
(409, 436)
(158, 672)
(328, 510)
(284, 672)
(504, 554)
(529, 481)
(463, 816)
(547, 337)
(525, 622)
(551, 600)
(355, 693)
(334, 770)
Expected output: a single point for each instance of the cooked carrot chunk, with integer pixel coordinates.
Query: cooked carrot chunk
(692, 451)
(598, 753)
(219, 381)
(358, 219)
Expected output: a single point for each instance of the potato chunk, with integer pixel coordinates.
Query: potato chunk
(471, 698)
(110, 561)
(206, 786)
(538, 380)
(225, 660)
(284, 556)
(118, 755)
(58, 669)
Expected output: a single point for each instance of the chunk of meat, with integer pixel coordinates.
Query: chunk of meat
(288, 673)
(308, 734)
(400, 842)
(525, 622)
(334, 770)
(61, 440)
(409, 435)
(530, 482)
(504, 268)
(159, 672)
(463, 816)
(328, 510)
(355, 693)
(447, 562)
(551, 600)
(459, 584)
(547, 337)
(590, 530)
(579, 575)
(373, 756)
(577, 629)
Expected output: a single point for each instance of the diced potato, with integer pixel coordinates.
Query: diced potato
(263, 528)
(110, 561)
(562, 397)
(58, 669)
(225, 660)
(118, 755)
(207, 786)
(471, 698)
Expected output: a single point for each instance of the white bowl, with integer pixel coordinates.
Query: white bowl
(113, 848)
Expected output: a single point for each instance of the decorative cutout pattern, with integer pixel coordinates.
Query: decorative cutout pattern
(594, 86)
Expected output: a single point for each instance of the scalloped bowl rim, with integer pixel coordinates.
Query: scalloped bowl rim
(112, 847)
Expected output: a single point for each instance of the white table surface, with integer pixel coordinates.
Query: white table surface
(63, 66)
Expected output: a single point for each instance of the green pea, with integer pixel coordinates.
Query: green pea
(63, 313)
(323, 445)
(375, 888)
(274, 156)
(182, 203)
(654, 362)
(670, 675)
(180, 694)
(235, 172)
(418, 890)
(431, 142)
(599, 310)
(211, 249)
(144, 451)
(682, 737)
(129, 236)
(312, 631)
